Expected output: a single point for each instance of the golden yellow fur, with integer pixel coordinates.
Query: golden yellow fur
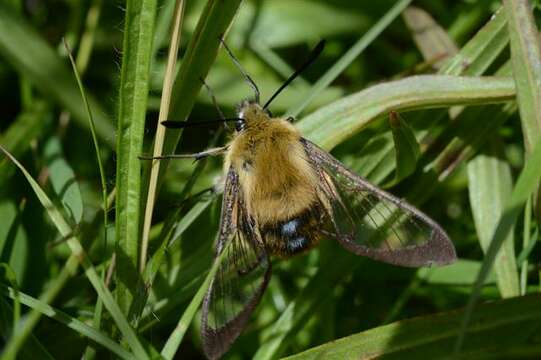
(275, 176)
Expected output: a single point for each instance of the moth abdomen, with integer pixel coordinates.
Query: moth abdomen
(296, 234)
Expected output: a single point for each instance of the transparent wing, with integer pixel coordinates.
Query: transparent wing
(241, 278)
(369, 221)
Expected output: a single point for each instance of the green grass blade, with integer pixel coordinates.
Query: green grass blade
(78, 254)
(63, 180)
(527, 246)
(160, 131)
(407, 147)
(350, 55)
(526, 57)
(340, 120)
(490, 185)
(92, 126)
(69, 321)
(199, 57)
(84, 54)
(30, 55)
(526, 184)
(133, 96)
(173, 342)
(481, 51)
(33, 349)
(498, 327)
(432, 40)
(31, 320)
(18, 136)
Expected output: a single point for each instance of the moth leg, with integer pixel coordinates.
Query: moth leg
(197, 156)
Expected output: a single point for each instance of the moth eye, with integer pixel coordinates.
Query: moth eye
(240, 125)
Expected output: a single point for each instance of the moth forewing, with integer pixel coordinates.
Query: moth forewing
(241, 278)
(369, 221)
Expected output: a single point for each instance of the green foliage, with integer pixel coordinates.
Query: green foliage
(465, 154)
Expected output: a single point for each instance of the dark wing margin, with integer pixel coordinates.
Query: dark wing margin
(241, 277)
(371, 222)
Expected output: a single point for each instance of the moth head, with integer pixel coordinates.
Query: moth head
(250, 113)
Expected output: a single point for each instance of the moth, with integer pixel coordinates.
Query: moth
(282, 195)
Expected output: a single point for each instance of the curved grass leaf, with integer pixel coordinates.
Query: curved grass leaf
(69, 321)
(495, 328)
(342, 119)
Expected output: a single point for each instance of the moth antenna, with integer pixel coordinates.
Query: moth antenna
(213, 98)
(242, 71)
(311, 58)
(172, 124)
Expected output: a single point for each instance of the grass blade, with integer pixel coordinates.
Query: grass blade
(67, 320)
(490, 185)
(414, 338)
(348, 57)
(202, 50)
(431, 39)
(342, 119)
(84, 54)
(525, 186)
(63, 180)
(407, 147)
(78, 254)
(160, 131)
(526, 57)
(173, 342)
(138, 35)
